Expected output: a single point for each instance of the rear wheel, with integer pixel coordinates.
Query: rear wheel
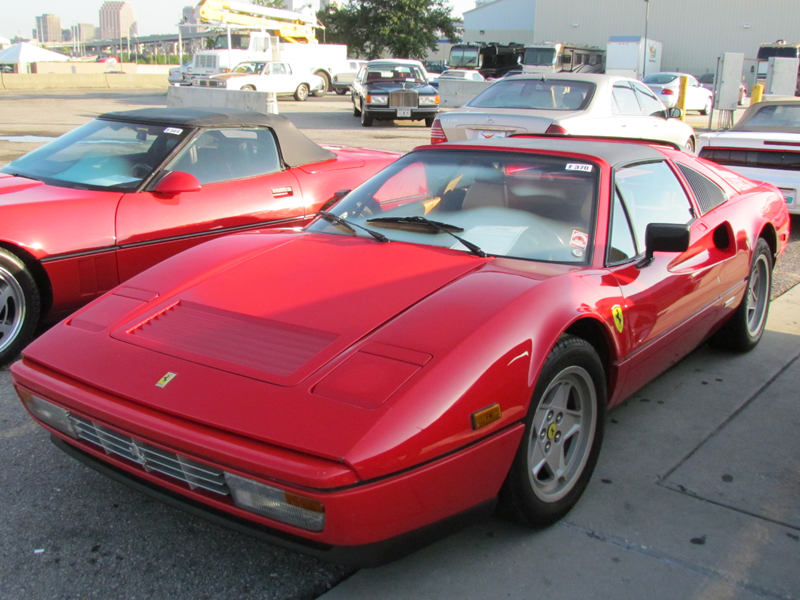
(341, 91)
(324, 76)
(706, 107)
(248, 88)
(301, 93)
(429, 121)
(20, 306)
(743, 332)
(689, 145)
(563, 434)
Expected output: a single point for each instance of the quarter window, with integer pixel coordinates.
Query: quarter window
(625, 99)
(651, 105)
(623, 246)
(652, 194)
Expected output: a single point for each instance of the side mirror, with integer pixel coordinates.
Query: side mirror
(663, 237)
(334, 200)
(674, 113)
(177, 182)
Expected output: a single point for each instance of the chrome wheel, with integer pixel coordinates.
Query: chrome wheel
(758, 295)
(12, 309)
(562, 434)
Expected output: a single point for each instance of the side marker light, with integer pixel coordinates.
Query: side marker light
(485, 416)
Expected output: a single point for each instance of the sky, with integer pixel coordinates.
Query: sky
(153, 16)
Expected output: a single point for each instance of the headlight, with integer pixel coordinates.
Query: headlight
(428, 100)
(48, 413)
(377, 99)
(273, 503)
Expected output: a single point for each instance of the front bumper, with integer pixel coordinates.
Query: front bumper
(366, 523)
(395, 114)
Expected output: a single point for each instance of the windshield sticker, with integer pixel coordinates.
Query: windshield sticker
(492, 239)
(577, 167)
(173, 130)
(579, 239)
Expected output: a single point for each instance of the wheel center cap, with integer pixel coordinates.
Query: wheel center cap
(551, 431)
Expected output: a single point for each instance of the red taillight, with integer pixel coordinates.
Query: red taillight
(557, 129)
(667, 92)
(437, 133)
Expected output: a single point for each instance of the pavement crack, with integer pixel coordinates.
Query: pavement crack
(674, 562)
(730, 418)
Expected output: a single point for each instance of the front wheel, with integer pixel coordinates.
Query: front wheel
(20, 306)
(745, 328)
(301, 93)
(563, 435)
(248, 88)
(366, 120)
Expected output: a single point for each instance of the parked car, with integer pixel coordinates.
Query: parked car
(667, 87)
(452, 331)
(707, 81)
(98, 205)
(763, 145)
(258, 76)
(462, 74)
(181, 75)
(343, 80)
(566, 103)
(394, 89)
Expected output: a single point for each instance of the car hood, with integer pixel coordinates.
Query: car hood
(226, 76)
(376, 88)
(33, 215)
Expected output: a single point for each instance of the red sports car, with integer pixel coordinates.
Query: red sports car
(121, 193)
(451, 332)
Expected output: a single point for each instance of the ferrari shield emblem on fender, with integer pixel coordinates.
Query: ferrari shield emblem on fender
(165, 380)
(616, 312)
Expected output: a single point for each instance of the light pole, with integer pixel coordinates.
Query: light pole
(646, 23)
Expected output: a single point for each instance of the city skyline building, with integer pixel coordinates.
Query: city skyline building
(48, 28)
(117, 20)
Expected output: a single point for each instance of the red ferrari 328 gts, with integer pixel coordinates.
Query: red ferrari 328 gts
(450, 333)
(125, 191)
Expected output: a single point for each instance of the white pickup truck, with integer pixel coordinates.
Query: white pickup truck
(266, 76)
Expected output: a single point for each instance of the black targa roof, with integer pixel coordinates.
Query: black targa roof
(296, 148)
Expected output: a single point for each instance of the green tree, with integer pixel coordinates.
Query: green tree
(269, 3)
(399, 28)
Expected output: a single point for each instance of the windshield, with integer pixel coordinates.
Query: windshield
(249, 67)
(100, 155)
(465, 56)
(538, 94)
(660, 78)
(539, 56)
(238, 42)
(525, 206)
(395, 74)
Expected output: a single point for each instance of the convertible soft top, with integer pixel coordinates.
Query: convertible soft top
(296, 148)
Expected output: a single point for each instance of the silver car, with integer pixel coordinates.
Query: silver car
(565, 103)
(667, 87)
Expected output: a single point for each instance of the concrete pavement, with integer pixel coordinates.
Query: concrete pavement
(696, 495)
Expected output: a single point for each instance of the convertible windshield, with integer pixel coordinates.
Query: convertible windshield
(525, 206)
(537, 94)
(772, 117)
(100, 155)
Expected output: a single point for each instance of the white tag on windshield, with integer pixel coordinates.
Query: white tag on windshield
(173, 130)
(577, 167)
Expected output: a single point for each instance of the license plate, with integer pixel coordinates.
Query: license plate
(788, 194)
(485, 135)
(403, 112)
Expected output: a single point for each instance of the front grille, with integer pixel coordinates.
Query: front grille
(194, 474)
(203, 61)
(763, 159)
(403, 99)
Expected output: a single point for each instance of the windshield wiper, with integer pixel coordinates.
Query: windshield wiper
(430, 226)
(350, 226)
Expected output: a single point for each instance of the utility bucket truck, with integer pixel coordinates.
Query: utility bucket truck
(256, 33)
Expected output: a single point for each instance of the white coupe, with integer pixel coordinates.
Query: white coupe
(259, 76)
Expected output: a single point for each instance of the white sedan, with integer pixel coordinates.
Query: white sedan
(667, 87)
(259, 76)
(764, 145)
(565, 103)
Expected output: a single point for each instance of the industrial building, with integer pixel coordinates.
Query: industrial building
(694, 33)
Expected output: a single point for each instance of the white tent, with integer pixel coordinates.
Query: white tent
(4, 42)
(23, 53)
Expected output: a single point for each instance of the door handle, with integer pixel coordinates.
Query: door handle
(282, 192)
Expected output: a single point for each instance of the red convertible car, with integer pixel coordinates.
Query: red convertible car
(121, 193)
(450, 333)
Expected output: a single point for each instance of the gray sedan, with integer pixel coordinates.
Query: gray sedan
(565, 103)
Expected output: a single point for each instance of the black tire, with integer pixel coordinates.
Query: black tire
(341, 91)
(326, 78)
(366, 120)
(689, 146)
(429, 121)
(20, 307)
(706, 108)
(301, 93)
(744, 329)
(564, 425)
(248, 88)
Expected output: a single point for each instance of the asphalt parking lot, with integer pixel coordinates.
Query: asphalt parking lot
(696, 495)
